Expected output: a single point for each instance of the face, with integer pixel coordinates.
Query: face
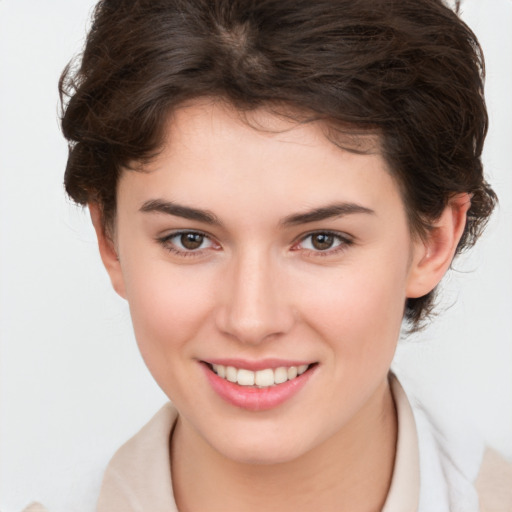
(252, 256)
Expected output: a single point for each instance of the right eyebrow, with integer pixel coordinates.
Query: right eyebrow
(178, 210)
(326, 212)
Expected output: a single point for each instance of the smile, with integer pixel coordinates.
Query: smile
(267, 385)
(261, 378)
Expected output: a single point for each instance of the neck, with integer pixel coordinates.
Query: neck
(349, 471)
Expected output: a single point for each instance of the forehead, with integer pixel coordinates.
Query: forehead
(252, 158)
(271, 120)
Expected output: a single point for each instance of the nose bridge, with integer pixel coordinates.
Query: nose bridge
(254, 307)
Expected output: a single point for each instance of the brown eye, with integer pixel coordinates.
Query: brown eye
(188, 243)
(191, 241)
(322, 241)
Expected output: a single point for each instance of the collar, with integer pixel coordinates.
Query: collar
(403, 494)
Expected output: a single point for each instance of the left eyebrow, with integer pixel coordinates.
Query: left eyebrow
(325, 212)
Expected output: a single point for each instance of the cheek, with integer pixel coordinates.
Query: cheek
(168, 306)
(360, 309)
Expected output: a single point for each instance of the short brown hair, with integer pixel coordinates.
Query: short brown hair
(409, 70)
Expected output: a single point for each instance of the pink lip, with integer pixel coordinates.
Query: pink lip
(253, 398)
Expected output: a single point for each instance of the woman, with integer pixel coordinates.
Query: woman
(275, 187)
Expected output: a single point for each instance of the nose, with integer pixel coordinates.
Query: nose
(254, 307)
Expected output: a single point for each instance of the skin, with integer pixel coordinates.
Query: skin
(258, 288)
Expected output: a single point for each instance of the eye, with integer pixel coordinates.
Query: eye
(324, 242)
(187, 242)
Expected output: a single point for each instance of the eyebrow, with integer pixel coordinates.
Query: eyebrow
(326, 212)
(207, 217)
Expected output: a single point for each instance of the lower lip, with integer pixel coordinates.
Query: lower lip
(256, 399)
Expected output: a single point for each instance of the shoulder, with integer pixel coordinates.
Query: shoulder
(451, 454)
(138, 475)
(494, 483)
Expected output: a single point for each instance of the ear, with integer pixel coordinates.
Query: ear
(108, 251)
(432, 256)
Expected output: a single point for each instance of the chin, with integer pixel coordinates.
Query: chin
(261, 457)
(263, 449)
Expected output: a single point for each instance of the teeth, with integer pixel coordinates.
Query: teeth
(302, 368)
(231, 373)
(292, 372)
(264, 378)
(245, 378)
(261, 378)
(280, 375)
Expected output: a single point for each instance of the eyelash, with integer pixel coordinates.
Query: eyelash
(344, 242)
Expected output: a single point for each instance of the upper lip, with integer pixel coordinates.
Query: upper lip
(260, 364)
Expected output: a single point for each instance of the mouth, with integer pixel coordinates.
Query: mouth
(266, 386)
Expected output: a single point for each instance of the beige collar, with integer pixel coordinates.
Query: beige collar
(404, 492)
(138, 478)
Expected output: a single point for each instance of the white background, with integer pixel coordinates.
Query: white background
(73, 386)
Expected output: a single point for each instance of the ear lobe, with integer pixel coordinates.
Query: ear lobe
(107, 250)
(432, 256)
